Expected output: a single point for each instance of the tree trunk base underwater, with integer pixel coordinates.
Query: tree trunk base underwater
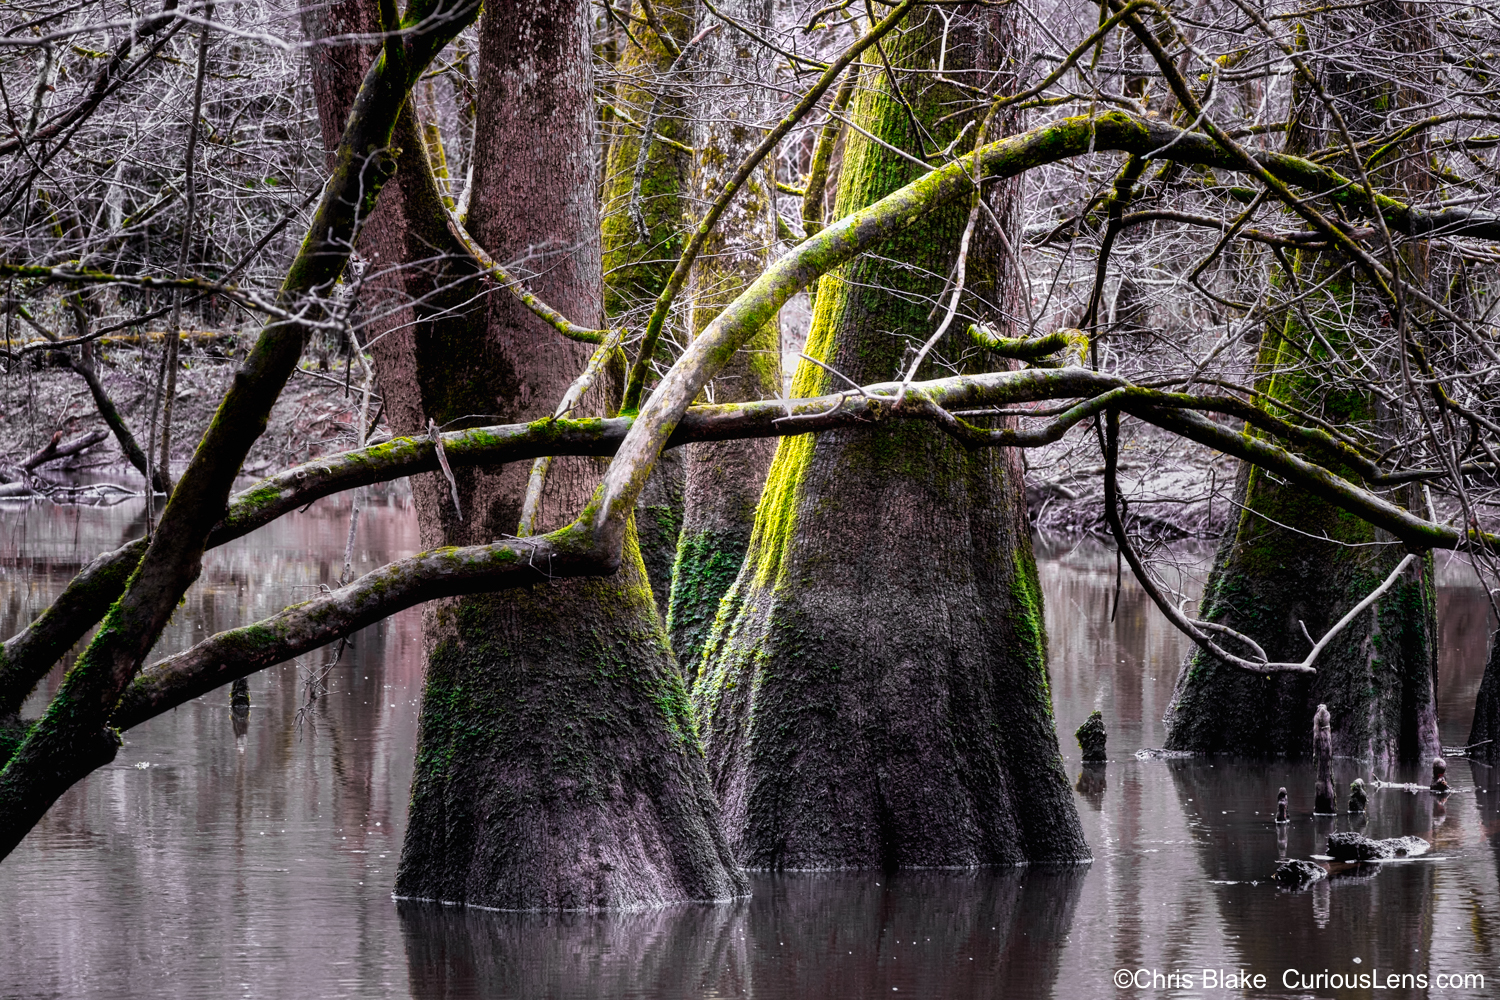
(1377, 677)
(557, 766)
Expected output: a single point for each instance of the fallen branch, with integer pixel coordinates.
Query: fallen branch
(302, 628)
(55, 449)
(26, 658)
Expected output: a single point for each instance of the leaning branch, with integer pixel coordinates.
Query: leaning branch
(841, 241)
(446, 572)
(636, 383)
(1194, 629)
(72, 738)
(405, 584)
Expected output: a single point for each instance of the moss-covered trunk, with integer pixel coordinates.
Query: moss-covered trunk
(557, 764)
(1290, 558)
(875, 690)
(1484, 730)
(644, 200)
(724, 478)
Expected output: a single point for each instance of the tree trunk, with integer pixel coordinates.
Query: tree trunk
(1274, 569)
(557, 764)
(644, 215)
(876, 693)
(723, 479)
(1484, 731)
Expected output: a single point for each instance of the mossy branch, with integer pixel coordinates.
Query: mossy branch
(67, 743)
(302, 628)
(827, 249)
(571, 551)
(1033, 349)
(513, 285)
(1261, 664)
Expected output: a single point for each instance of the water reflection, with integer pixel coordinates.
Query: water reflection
(257, 858)
(970, 934)
(1377, 913)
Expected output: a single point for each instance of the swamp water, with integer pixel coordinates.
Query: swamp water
(203, 863)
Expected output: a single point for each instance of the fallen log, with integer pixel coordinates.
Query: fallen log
(55, 449)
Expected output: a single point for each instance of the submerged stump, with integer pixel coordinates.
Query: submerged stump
(1326, 795)
(1091, 737)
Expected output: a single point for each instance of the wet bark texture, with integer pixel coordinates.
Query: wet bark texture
(658, 523)
(1325, 792)
(1273, 569)
(875, 692)
(723, 479)
(557, 766)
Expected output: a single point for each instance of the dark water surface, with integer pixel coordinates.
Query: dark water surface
(209, 864)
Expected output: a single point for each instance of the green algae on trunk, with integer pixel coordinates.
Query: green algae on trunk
(723, 479)
(874, 692)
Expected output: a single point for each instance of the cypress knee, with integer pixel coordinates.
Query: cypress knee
(1326, 796)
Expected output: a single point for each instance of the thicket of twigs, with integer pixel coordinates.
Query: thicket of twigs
(185, 144)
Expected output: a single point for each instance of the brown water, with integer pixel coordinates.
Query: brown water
(206, 864)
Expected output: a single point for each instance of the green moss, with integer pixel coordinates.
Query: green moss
(12, 732)
(706, 567)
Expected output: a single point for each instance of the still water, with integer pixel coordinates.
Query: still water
(206, 863)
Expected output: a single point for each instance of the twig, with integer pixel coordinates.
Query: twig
(442, 457)
(535, 483)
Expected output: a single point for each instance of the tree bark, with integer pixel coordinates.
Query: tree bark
(723, 479)
(644, 214)
(1291, 558)
(557, 764)
(876, 691)
(1484, 731)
